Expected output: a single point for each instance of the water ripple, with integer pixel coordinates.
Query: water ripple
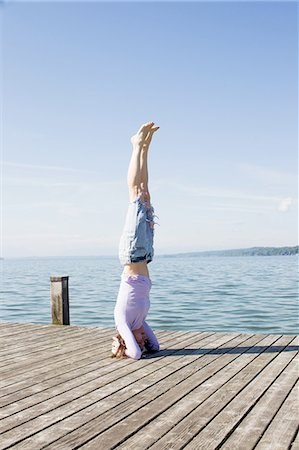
(253, 294)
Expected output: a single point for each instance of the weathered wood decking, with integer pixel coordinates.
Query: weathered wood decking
(61, 390)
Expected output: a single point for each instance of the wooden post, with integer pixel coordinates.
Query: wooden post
(60, 300)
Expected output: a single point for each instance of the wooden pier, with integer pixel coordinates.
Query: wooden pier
(59, 389)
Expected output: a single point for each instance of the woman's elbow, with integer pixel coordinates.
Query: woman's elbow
(134, 354)
(155, 348)
(152, 346)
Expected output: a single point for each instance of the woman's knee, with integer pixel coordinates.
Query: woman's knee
(139, 191)
(145, 195)
(134, 192)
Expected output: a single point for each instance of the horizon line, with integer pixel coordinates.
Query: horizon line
(157, 254)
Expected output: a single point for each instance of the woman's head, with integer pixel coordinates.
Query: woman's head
(140, 336)
(119, 345)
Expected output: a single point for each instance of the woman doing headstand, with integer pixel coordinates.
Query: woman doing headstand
(135, 252)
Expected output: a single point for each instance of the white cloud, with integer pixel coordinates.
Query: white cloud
(206, 191)
(60, 237)
(42, 167)
(216, 216)
(285, 204)
(30, 181)
(228, 199)
(267, 174)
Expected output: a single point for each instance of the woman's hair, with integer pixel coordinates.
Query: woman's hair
(120, 353)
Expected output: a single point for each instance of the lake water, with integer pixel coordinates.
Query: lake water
(245, 294)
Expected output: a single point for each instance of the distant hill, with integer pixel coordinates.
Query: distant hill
(253, 251)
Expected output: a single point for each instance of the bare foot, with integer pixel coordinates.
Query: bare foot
(138, 139)
(149, 136)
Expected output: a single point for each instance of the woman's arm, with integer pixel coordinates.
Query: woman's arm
(153, 344)
(132, 348)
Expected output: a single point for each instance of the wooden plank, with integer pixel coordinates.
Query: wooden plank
(107, 358)
(35, 361)
(100, 395)
(205, 389)
(208, 406)
(123, 376)
(30, 333)
(32, 336)
(59, 374)
(209, 398)
(103, 347)
(27, 327)
(154, 426)
(295, 443)
(75, 359)
(36, 336)
(185, 391)
(17, 332)
(17, 348)
(211, 436)
(282, 430)
(24, 372)
(122, 403)
(251, 428)
(39, 339)
(8, 326)
(18, 353)
(39, 358)
(25, 398)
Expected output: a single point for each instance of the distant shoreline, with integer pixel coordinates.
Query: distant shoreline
(252, 251)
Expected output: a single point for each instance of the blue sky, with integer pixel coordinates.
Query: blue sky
(79, 78)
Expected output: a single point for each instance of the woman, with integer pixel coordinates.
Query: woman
(135, 252)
